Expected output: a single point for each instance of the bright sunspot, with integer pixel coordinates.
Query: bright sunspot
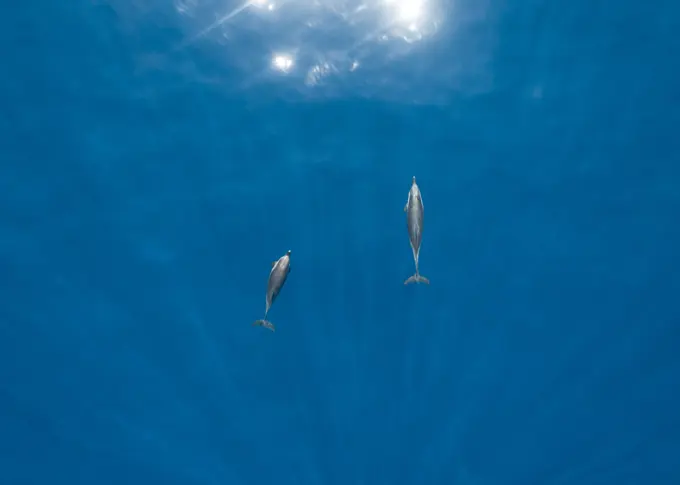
(282, 62)
(407, 10)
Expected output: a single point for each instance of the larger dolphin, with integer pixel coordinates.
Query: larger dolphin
(414, 222)
(277, 278)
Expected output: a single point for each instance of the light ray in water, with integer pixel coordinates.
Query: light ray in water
(217, 23)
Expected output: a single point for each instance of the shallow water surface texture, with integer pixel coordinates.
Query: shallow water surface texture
(156, 157)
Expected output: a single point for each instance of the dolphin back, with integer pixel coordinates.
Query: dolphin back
(414, 220)
(277, 279)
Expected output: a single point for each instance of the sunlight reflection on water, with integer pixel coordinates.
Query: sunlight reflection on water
(401, 50)
(322, 38)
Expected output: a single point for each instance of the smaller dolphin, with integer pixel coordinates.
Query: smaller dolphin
(277, 278)
(414, 221)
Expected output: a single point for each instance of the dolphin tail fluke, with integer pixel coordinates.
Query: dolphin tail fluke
(416, 278)
(264, 323)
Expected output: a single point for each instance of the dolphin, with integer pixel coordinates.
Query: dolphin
(277, 278)
(414, 222)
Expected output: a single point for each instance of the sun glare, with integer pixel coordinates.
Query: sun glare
(282, 62)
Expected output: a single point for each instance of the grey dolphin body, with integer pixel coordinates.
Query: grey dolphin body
(414, 221)
(277, 278)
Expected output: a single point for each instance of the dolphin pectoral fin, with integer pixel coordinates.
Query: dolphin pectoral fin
(416, 278)
(406, 207)
(264, 323)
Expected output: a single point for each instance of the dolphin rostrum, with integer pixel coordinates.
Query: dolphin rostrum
(414, 221)
(277, 278)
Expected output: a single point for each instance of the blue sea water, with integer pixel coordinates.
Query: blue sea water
(156, 157)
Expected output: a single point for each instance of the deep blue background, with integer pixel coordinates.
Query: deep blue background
(141, 204)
